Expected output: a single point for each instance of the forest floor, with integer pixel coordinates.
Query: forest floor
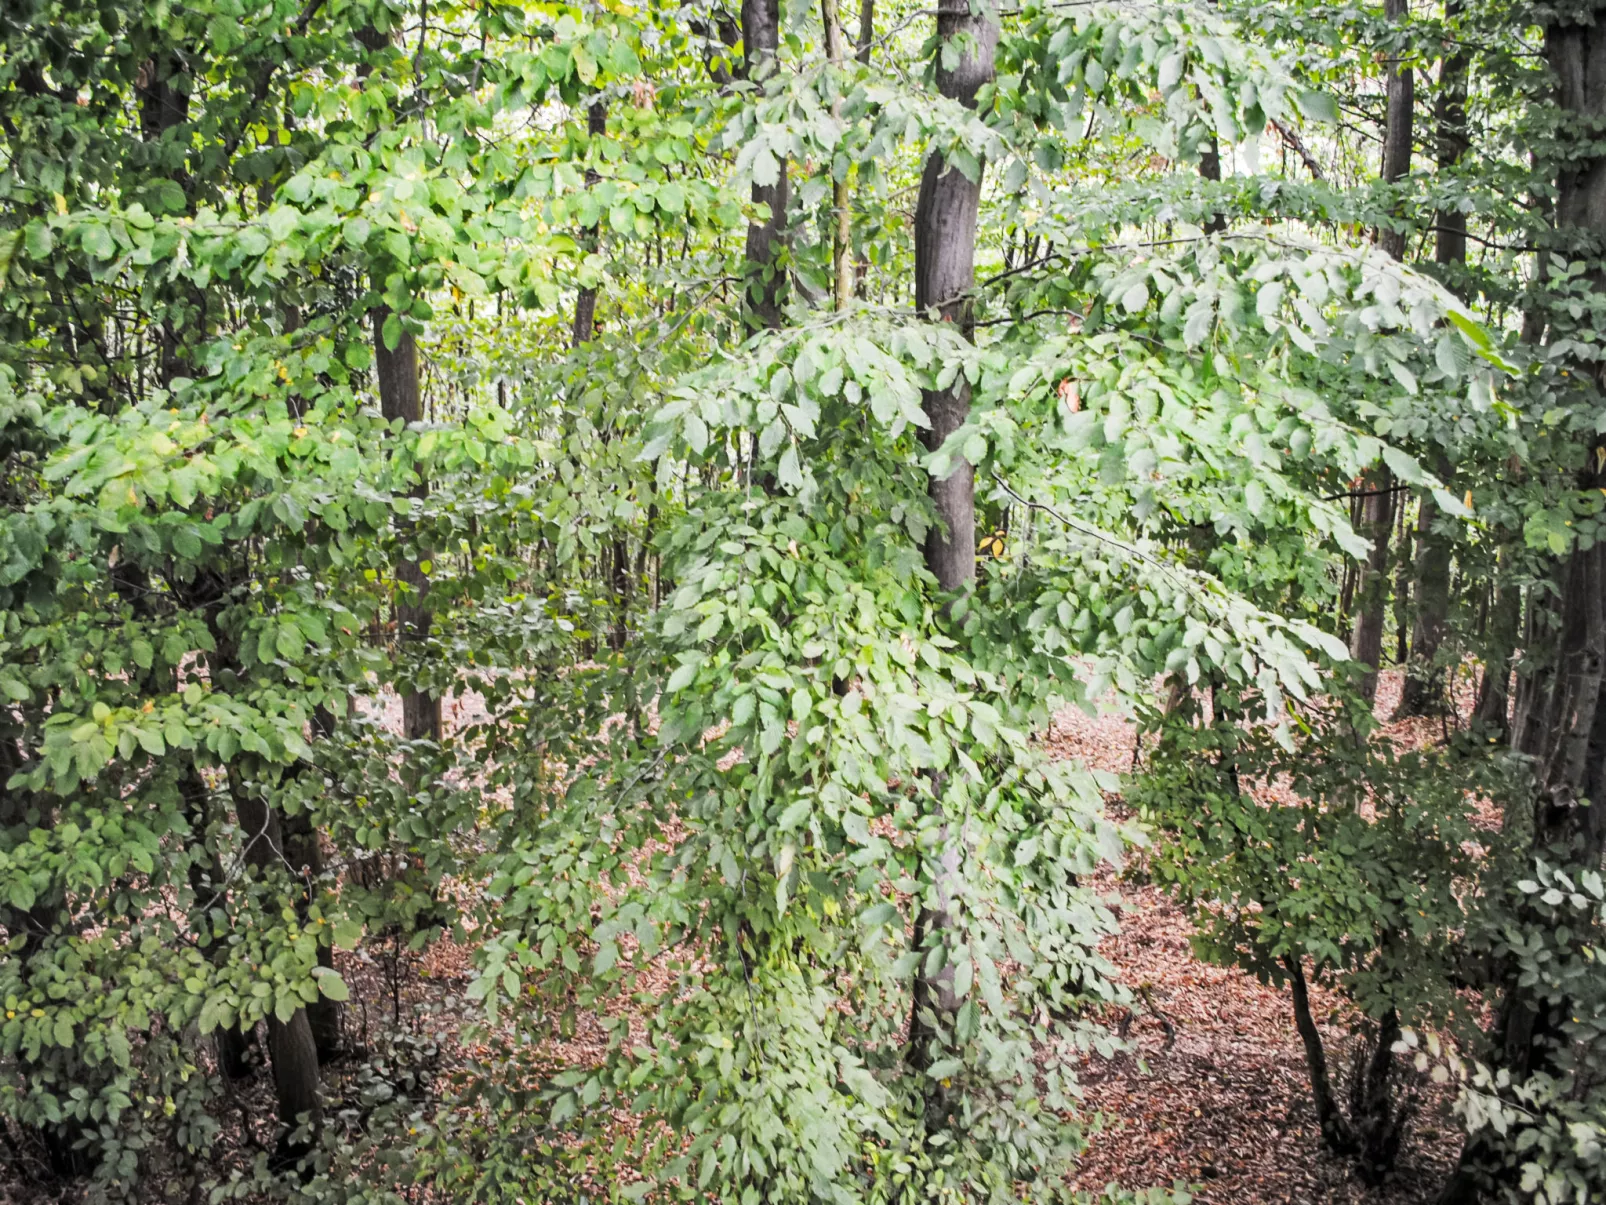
(1225, 1104)
(1212, 1092)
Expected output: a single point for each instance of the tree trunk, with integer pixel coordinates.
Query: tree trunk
(1494, 693)
(400, 398)
(585, 304)
(620, 556)
(291, 1046)
(1366, 643)
(1378, 1127)
(1565, 738)
(861, 50)
(305, 856)
(1335, 1130)
(766, 239)
(1561, 717)
(163, 107)
(1397, 135)
(841, 195)
(945, 250)
(1210, 169)
(207, 878)
(1423, 691)
(1404, 537)
(1377, 522)
(1450, 121)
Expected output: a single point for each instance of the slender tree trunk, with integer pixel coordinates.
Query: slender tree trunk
(1378, 1127)
(945, 250)
(207, 877)
(841, 188)
(620, 558)
(292, 1048)
(1450, 121)
(861, 50)
(1423, 691)
(400, 398)
(165, 105)
(585, 305)
(766, 239)
(1366, 643)
(1403, 539)
(1335, 1130)
(585, 316)
(305, 856)
(861, 44)
(1210, 169)
(1397, 140)
(1494, 693)
(1372, 586)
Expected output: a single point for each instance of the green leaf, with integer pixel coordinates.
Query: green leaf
(880, 914)
(766, 171)
(1318, 106)
(347, 932)
(685, 675)
(290, 641)
(97, 241)
(789, 473)
(330, 984)
(166, 196)
(794, 815)
(20, 892)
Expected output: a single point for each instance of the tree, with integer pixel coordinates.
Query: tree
(517, 472)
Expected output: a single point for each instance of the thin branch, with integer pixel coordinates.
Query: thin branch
(1295, 143)
(1393, 489)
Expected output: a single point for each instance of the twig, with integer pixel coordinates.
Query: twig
(1292, 140)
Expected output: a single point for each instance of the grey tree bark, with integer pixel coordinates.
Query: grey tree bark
(945, 273)
(1377, 523)
(945, 253)
(766, 239)
(1423, 691)
(861, 44)
(841, 190)
(1563, 725)
(292, 1049)
(1494, 692)
(396, 370)
(1397, 133)
(1210, 169)
(585, 304)
(1377, 512)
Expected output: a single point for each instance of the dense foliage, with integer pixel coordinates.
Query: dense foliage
(624, 487)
